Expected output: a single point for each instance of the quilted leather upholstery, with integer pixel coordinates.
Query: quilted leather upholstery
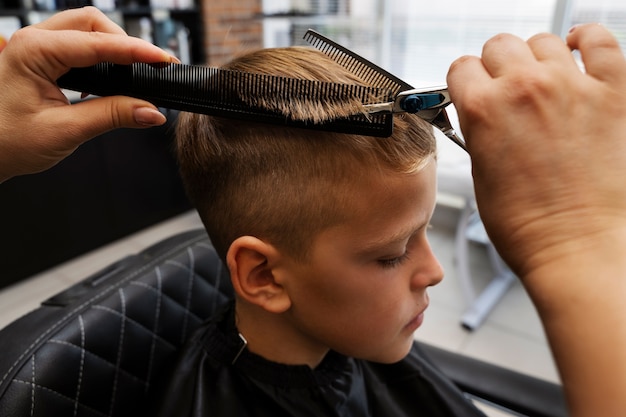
(95, 349)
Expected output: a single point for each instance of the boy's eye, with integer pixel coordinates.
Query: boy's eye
(411, 244)
(393, 262)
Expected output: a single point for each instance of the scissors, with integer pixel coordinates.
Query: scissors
(428, 103)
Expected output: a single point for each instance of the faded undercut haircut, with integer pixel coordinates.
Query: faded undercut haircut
(280, 184)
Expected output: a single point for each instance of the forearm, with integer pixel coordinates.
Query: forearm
(585, 324)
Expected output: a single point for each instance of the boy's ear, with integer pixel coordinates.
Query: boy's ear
(251, 263)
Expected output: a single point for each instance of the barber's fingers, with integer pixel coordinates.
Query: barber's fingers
(77, 38)
(467, 69)
(64, 49)
(468, 80)
(504, 53)
(473, 81)
(85, 19)
(549, 48)
(600, 52)
(85, 120)
(92, 47)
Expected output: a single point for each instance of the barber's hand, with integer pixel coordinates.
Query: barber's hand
(547, 142)
(38, 127)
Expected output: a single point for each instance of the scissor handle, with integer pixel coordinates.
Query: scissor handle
(419, 99)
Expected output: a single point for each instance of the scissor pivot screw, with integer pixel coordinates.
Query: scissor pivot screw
(412, 103)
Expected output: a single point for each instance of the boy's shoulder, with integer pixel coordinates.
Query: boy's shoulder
(214, 375)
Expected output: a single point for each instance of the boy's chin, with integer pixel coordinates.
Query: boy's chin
(391, 357)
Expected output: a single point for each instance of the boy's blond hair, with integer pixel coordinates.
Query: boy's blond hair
(285, 185)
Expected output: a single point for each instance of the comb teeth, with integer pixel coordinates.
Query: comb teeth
(234, 94)
(369, 72)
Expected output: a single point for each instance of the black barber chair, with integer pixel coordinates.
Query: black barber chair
(95, 349)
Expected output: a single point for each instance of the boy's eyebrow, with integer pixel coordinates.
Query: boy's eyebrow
(383, 242)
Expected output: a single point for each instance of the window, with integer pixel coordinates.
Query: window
(418, 40)
(611, 13)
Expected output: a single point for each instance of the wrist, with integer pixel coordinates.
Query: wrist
(550, 238)
(577, 266)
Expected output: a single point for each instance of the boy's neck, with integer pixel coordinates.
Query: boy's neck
(275, 338)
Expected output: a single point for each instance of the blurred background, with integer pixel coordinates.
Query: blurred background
(120, 192)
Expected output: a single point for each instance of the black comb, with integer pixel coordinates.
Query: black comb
(227, 93)
(369, 72)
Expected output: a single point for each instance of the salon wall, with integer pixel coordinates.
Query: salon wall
(232, 27)
(114, 185)
(122, 181)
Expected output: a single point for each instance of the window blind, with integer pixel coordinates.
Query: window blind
(417, 40)
(611, 13)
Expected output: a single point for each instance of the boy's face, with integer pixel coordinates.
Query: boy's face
(362, 291)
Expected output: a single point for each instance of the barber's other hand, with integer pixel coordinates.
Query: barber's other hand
(547, 142)
(38, 127)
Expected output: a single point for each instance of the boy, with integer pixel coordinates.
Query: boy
(324, 236)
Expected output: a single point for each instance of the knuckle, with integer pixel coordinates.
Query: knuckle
(527, 88)
(25, 38)
(460, 62)
(500, 38)
(91, 13)
(115, 114)
(544, 36)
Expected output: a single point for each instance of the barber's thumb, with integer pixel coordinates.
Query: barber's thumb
(148, 117)
(129, 112)
(99, 115)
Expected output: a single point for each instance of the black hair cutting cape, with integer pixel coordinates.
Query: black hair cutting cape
(205, 382)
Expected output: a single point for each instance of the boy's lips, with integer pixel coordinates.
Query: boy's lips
(416, 322)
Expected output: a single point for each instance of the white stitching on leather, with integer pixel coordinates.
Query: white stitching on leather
(32, 385)
(81, 325)
(42, 388)
(140, 272)
(93, 355)
(184, 267)
(119, 348)
(130, 320)
(218, 272)
(101, 294)
(157, 314)
(192, 274)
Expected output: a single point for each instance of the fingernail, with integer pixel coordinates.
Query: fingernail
(171, 59)
(572, 29)
(146, 116)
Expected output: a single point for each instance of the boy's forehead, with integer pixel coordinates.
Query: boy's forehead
(388, 207)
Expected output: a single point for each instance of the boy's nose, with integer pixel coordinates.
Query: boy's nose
(428, 270)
